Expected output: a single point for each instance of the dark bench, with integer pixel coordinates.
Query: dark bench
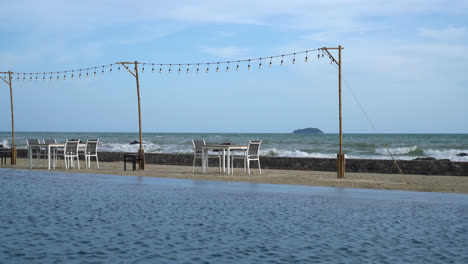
(4, 153)
(134, 158)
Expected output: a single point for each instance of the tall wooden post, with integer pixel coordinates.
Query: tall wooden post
(142, 153)
(340, 157)
(13, 146)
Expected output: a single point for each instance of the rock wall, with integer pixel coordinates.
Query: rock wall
(431, 167)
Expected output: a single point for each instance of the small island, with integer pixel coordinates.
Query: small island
(309, 130)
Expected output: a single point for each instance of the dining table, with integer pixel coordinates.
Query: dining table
(225, 151)
(47, 146)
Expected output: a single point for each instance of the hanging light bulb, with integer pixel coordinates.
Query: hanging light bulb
(217, 68)
(207, 67)
(143, 68)
(188, 68)
(110, 69)
(271, 61)
(24, 77)
(87, 73)
(318, 54)
(17, 77)
(64, 75)
(43, 77)
(72, 75)
(118, 69)
(94, 71)
(36, 77)
(227, 67)
(58, 76)
(237, 67)
(79, 76)
(50, 77)
(102, 70)
(294, 59)
(169, 68)
(282, 59)
(306, 57)
(198, 70)
(30, 77)
(248, 66)
(260, 64)
(152, 68)
(160, 68)
(179, 69)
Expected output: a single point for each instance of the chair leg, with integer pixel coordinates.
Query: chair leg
(220, 168)
(248, 165)
(97, 161)
(245, 165)
(259, 169)
(193, 166)
(78, 161)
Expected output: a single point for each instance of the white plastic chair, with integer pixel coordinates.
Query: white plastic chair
(91, 151)
(70, 153)
(252, 153)
(198, 153)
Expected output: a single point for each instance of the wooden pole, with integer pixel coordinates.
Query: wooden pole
(13, 146)
(340, 156)
(142, 153)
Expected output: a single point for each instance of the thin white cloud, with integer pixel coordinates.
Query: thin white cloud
(225, 52)
(446, 34)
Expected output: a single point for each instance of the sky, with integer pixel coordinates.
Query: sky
(404, 65)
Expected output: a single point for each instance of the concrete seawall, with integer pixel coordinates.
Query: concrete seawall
(422, 167)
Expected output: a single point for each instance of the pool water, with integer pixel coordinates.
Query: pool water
(48, 217)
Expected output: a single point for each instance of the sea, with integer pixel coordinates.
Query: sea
(453, 147)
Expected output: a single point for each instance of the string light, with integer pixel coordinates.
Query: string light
(169, 68)
(17, 77)
(179, 68)
(79, 76)
(102, 70)
(50, 77)
(160, 68)
(248, 66)
(58, 76)
(260, 64)
(94, 71)
(24, 77)
(36, 76)
(152, 68)
(227, 67)
(306, 57)
(143, 68)
(282, 59)
(188, 68)
(118, 69)
(198, 70)
(271, 59)
(318, 54)
(43, 77)
(294, 59)
(110, 69)
(217, 68)
(87, 70)
(237, 67)
(72, 75)
(207, 67)
(30, 77)
(64, 75)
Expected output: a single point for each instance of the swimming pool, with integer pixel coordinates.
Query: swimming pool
(75, 218)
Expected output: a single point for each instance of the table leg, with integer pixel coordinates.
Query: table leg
(48, 156)
(228, 160)
(224, 160)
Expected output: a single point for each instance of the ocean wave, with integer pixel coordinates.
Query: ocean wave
(5, 143)
(450, 154)
(274, 152)
(396, 151)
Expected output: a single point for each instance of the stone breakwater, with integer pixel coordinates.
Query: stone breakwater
(422, 167)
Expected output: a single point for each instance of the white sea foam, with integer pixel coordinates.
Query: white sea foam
(293, 153)
(446, 154)
(5, 143)
(396, 151)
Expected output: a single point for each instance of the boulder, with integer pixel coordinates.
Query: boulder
(309, 130)
(463, 154)
(134, 142)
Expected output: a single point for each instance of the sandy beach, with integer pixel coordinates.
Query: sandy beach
(424, 183)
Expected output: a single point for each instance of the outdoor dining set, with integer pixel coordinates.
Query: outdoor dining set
(226, 153)
(70, 151)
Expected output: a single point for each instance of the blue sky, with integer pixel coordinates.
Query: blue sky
(405, 62)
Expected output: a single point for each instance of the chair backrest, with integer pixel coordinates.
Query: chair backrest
(50, 141)
(32, 141)
(71, 146)
(91, 146)
(198, 144)
(254, 147)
